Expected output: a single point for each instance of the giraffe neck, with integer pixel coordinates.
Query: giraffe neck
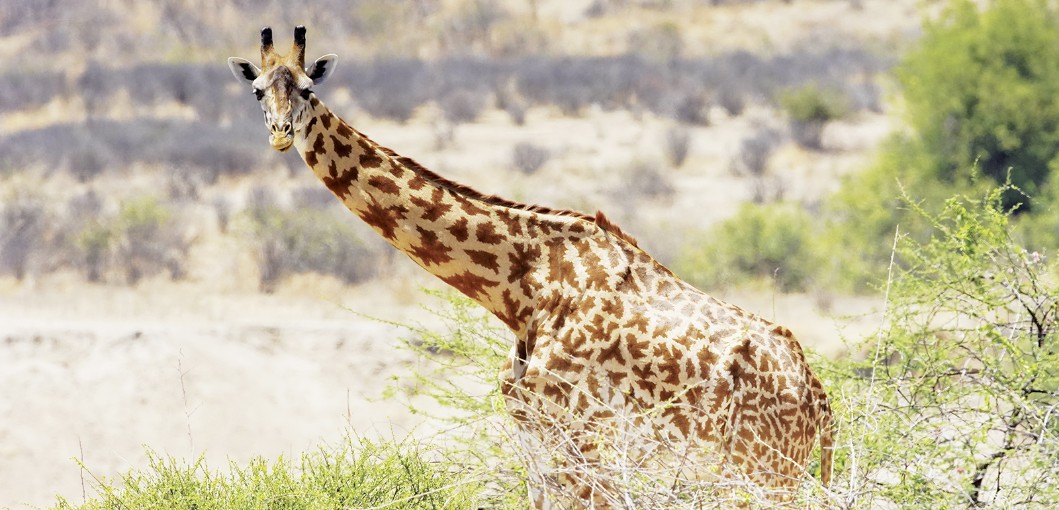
(491, 250)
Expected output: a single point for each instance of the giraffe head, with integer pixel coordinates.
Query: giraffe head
(283, 85)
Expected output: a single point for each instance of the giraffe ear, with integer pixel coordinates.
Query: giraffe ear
(322, 68)
(243, 69)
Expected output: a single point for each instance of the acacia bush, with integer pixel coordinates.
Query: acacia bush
(529, 157)
(147, 239)
(93, 148)
(955, 402)
(677, 145)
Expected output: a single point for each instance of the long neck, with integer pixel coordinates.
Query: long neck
(489, 249)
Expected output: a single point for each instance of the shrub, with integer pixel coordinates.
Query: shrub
(21, 90)
(355, 474)
(23, 221)
(644, 179)
(307, 240)
(460, 106)
(755, 152)
(810, 108)
(528, 157)
(692, 108)
(389, 88)
(870, 206)
(85, 238)
(148, 240)
(761, 242)
(94, 243)
(954, 404)
(678, 141)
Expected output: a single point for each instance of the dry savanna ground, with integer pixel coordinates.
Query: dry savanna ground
(197, 360)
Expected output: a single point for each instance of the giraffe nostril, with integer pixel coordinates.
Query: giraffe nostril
(285, 129)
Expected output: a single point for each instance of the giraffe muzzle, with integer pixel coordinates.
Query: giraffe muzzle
(281, 136)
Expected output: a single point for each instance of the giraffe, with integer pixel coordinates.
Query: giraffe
(614, 356)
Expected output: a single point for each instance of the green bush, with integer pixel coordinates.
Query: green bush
(813, 103)
(870, 207)
(761, 242)
(810, 107)
(148, 240)
(980, 91)
(954, 404)
(94, 244)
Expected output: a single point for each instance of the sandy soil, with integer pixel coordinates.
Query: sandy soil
(100, 373)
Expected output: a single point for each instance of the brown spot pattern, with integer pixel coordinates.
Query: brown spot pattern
(338, 181)
(384, 184)
(471, 285)
(385, 219)
(486, 233)
(370, 160)
(429, 250)
(459, 231)
(343, 150)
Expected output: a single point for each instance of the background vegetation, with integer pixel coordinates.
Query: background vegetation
(952, 403)
(978, 95)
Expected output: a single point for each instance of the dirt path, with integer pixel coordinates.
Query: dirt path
(102, 373)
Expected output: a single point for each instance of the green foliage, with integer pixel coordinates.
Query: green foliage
(93, 244)
(955, 404)
(813, 103)
(871, 206)
(148, 240)
(981, 90)
(980, 95)
(461, 367)
(357, 474)
(810, 107)
(760, 242)
(142, 239)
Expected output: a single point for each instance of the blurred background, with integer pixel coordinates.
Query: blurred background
(167, 279)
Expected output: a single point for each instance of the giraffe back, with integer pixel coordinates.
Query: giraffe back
(620, 346)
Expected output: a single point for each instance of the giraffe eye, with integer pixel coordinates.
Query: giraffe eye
(259, 94)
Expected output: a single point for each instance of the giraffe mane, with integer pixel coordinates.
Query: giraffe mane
(599, 219)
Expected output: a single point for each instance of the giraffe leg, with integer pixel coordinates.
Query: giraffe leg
(560, 453)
